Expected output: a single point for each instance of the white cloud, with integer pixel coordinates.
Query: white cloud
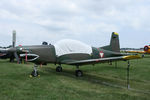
(91, 21)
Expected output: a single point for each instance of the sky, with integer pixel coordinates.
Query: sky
(89, 21)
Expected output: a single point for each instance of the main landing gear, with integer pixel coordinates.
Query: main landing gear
(78, 72)
(58, 69)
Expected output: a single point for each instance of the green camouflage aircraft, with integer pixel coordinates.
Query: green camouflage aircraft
(71, 52)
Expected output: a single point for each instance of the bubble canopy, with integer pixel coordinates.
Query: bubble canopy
(69, 46)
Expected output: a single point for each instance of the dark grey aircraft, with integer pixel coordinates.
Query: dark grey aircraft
(71, 52)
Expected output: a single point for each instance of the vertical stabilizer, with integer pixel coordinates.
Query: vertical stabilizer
(114, 43)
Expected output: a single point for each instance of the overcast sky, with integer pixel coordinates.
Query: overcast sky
(89, 21)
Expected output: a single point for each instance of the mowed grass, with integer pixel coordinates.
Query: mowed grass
(100, 82)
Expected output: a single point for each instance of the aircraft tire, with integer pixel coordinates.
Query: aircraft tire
(34, 74)
(78, 73)
(59, 69)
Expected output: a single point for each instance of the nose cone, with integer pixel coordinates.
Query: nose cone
(147, 49)
(16, 49)
(11, 50)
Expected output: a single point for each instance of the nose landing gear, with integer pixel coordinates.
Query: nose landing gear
(34, 73)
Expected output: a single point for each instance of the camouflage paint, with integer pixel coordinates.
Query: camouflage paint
(47, 53)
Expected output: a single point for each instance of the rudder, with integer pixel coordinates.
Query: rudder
(114, 43)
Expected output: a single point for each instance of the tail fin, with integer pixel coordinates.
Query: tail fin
(114, 43)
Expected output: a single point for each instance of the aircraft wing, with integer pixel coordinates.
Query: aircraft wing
(100, 60)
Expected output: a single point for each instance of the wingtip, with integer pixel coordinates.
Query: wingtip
(132, 57)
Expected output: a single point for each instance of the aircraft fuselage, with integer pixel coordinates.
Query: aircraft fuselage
(47, 54)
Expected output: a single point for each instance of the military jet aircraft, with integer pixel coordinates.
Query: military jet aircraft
(72, 52)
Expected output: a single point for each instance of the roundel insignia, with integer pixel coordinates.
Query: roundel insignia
(101, 54)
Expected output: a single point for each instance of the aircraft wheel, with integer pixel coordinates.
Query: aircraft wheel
(78, 73)
(34, 73)
(59, 69)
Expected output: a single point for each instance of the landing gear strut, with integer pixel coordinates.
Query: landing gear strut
(34, 72)
(58, 69)
(78, 72)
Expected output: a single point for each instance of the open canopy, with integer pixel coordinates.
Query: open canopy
(69, 46)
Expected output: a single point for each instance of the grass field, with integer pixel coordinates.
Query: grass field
(100, 82)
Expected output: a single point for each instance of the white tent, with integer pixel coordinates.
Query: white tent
(69, 46)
